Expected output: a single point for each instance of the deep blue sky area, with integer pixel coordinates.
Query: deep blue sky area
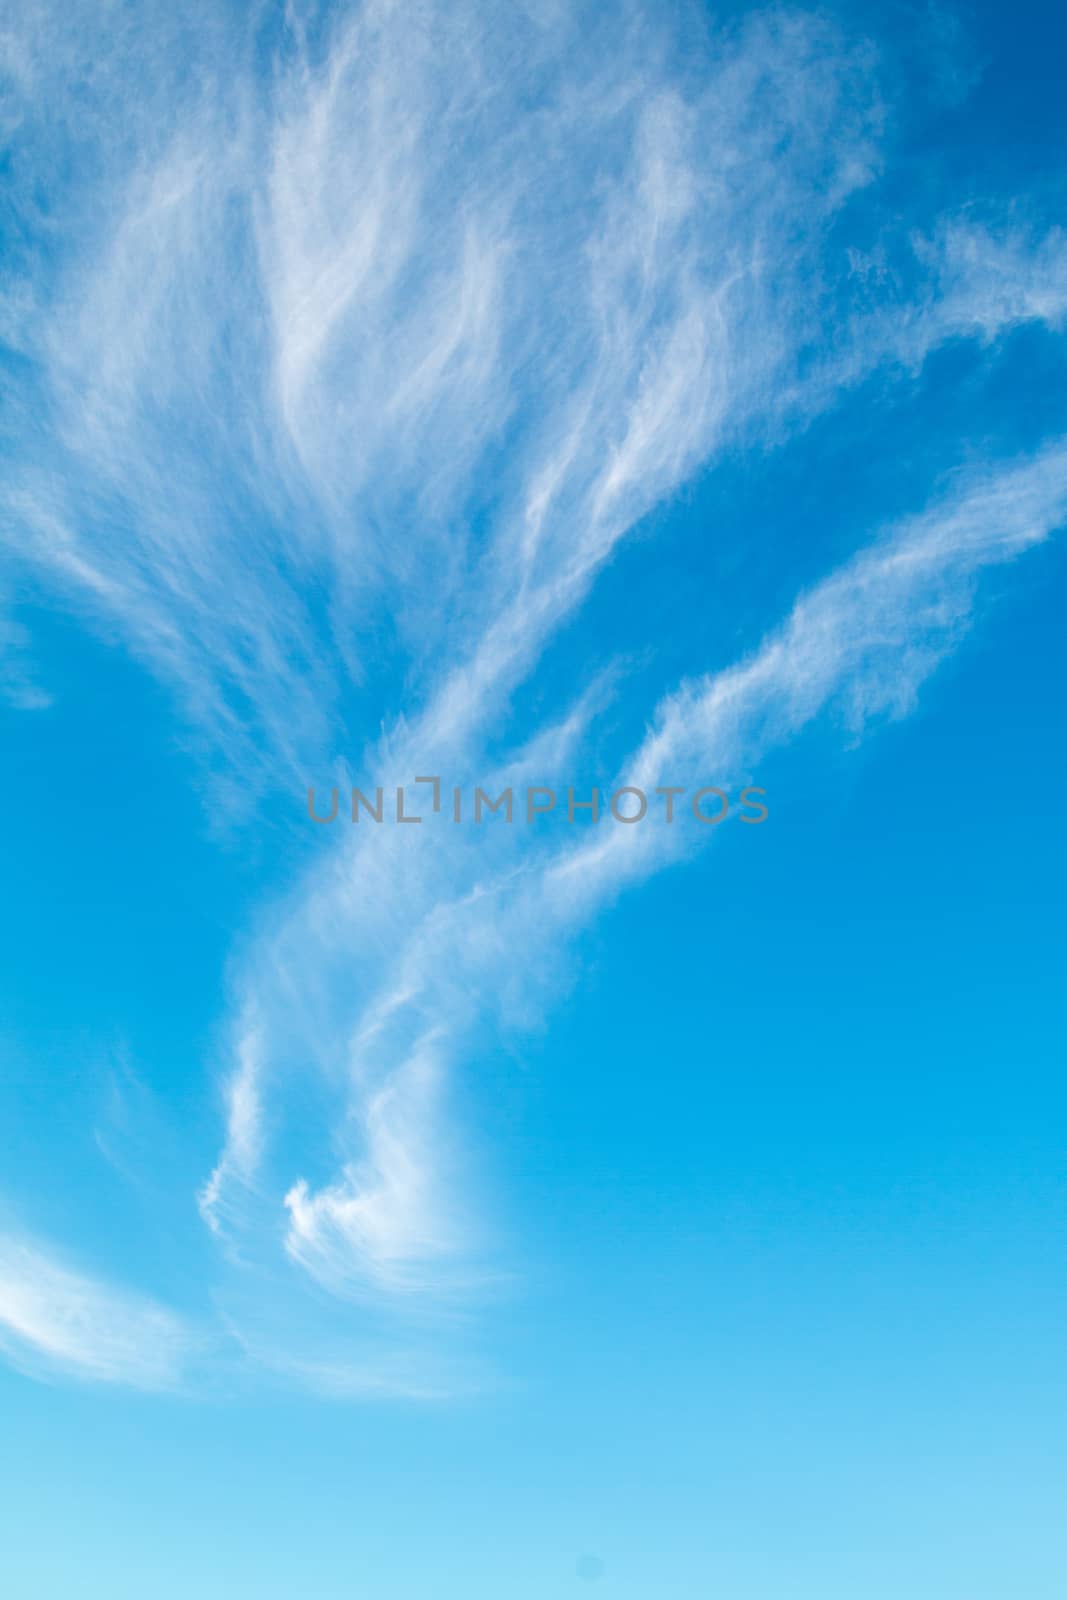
(559, 395)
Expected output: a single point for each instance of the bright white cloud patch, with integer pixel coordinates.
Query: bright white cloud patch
(53, 1318)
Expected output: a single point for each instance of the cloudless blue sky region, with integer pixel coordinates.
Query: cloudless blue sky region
(532, 394)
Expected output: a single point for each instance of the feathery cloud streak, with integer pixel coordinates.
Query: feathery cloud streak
(55, 1319)
(484, 938)
(469, 298)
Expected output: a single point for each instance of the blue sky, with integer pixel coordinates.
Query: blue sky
(532, 394)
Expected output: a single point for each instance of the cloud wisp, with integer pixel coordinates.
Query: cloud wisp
(54, 1319)
(476, 936)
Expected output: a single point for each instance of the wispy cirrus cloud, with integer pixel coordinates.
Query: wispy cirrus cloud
(59, 1320)
(18, 686)
(337, 325)
(691, 288)
(486, 936)
(342, 370)
(861, 644)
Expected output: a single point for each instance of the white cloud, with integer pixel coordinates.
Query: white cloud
(53, 1318)
(479, 925)
(861, 642)
(358, 338)
(320, 327)
(386, 1215)
(358, 369)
